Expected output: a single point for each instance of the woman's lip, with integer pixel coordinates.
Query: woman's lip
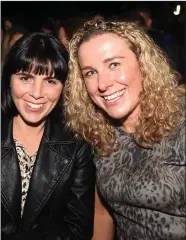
(107, 95)
(30, 108)
(34, 103)
(114, 96)
(114, 102)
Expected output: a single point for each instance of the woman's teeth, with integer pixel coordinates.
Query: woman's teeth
(114, 96)
(36, 106)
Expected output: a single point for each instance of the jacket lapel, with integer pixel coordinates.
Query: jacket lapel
(10, 176)
(51, 165)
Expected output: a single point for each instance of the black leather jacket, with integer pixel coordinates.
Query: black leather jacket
(60, 199)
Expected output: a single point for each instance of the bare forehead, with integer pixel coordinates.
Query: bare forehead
(104, 44)
(103, 40)
(104, 37)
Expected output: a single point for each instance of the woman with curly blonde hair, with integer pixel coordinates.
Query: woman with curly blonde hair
(123, 97)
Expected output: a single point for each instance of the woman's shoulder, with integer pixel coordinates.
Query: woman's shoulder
(179, 133)
(174, 145)
(180, 129)
(60, 132)
(64, 141)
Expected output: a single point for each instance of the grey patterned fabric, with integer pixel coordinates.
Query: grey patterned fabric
(145, 189)
(26, 164)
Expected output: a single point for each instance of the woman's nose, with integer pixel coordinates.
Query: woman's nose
(37, 90)
(105, 81)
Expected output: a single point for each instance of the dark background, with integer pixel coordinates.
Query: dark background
(32, 13)
(69, 8)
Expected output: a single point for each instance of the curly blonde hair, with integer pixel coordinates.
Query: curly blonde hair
(159, 100)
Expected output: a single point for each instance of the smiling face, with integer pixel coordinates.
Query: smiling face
(112, 75)
(34, 96)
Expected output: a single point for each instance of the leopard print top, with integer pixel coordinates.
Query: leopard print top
(145, 189)
(26, 164)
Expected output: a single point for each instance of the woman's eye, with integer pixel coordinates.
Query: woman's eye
(113, 65)
(24, 79)
(90, 73)
(50, 81)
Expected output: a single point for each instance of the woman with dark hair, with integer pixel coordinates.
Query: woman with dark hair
(47, 175)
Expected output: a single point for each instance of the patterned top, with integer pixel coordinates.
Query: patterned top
(145, 188)
(26, 164)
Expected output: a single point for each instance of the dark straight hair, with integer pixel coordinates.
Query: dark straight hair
(38, 53)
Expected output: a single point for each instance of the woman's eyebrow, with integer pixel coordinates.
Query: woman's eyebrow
(105, 61)
(32, 76)
(50, 77)
(112, 58)
(86, 67)
(25, 74)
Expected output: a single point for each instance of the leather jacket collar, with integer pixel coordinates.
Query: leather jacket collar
(52, 133)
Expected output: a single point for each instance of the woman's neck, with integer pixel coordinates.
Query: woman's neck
(28, 135)
(21, 129)
(129, 123)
